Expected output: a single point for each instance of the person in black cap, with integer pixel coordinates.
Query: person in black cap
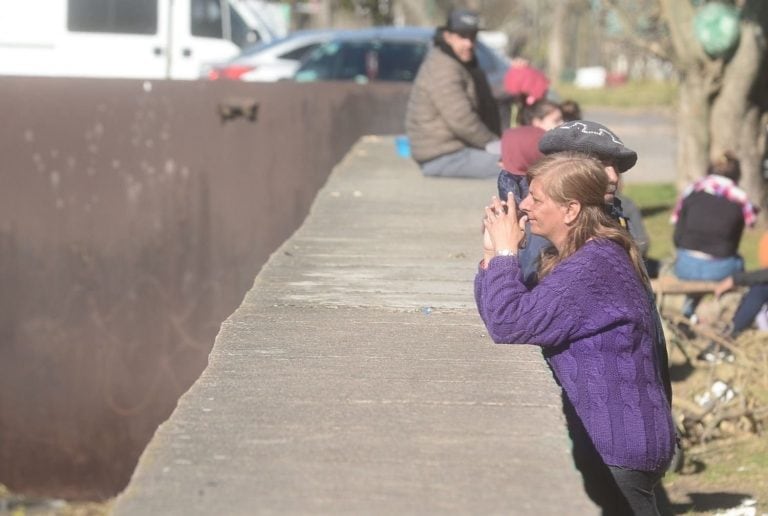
(597, 141)
(452, 114)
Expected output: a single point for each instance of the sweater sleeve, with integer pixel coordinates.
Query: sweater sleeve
(544, 316)
(751, 278)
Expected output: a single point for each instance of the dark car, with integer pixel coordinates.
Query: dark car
(386, 54)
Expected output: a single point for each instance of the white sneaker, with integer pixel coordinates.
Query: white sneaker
(761, 319)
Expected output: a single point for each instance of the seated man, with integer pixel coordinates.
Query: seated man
(451, 114)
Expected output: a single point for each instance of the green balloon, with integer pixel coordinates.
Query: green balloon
(717, 27)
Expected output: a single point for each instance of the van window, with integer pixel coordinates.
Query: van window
(134, 17)
(242, 34)
(207, 21)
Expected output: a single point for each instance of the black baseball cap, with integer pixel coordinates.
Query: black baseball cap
(463, 21)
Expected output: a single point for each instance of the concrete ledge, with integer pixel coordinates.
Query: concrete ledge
(357, 378)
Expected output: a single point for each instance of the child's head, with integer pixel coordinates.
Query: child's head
(543, 114)
(571, 110)
(726, 165)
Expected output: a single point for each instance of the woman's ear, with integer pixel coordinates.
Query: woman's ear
(572, 210)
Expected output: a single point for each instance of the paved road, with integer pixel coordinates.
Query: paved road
(357, 378)
(651, 133)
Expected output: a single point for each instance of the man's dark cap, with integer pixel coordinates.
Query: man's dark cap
(590, 138)
(463, 21)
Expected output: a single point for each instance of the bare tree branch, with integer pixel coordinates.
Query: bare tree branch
(632, 35)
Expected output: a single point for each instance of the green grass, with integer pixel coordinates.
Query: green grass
(632, 94)
(744, 463)
(656, 201)
(736, 468)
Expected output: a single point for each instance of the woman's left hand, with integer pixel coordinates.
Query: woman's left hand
(501, 223)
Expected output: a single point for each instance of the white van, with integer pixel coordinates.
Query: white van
(170, 39)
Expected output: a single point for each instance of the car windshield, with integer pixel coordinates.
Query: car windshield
(364, 61)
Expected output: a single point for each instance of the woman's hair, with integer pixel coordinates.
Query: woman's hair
(538, 109)
(573, 176)
(726, 165)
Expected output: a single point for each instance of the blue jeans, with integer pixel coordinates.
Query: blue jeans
(749, 307)
(691, 267)
(468, 162)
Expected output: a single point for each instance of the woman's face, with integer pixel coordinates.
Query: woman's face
(547, 218)
(549, 121)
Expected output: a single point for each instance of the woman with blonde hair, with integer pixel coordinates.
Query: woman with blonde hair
(593, 315)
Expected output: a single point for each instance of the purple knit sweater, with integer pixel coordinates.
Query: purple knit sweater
(592, 317)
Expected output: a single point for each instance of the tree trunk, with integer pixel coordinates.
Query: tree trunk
(736, 121)
(730, 107)
(556, 35)
(750, 156)
(692, 129)
(695, 90)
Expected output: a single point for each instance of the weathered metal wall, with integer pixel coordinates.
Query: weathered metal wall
(133, 218)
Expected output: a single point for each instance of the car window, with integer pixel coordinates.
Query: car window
(299, 53)
(351, 63)
(320, 63)
(336, 61)
(362, 61)
(399, 61)
(241, 34)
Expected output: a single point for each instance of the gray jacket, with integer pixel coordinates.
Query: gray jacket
(442, 110)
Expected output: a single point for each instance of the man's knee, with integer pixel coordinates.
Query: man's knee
(469, 163)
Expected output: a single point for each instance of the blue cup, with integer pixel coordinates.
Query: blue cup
(403, 146)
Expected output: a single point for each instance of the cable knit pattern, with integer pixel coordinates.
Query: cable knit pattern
(592, 316)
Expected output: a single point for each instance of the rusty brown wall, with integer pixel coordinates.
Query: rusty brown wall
(132, 221)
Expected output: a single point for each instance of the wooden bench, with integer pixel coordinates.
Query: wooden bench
(672, 285)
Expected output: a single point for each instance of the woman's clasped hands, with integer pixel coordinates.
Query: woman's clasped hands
(503, 231)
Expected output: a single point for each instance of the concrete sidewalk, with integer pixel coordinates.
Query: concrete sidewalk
(357, 378)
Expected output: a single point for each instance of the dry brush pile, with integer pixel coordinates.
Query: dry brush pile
(721, 400)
